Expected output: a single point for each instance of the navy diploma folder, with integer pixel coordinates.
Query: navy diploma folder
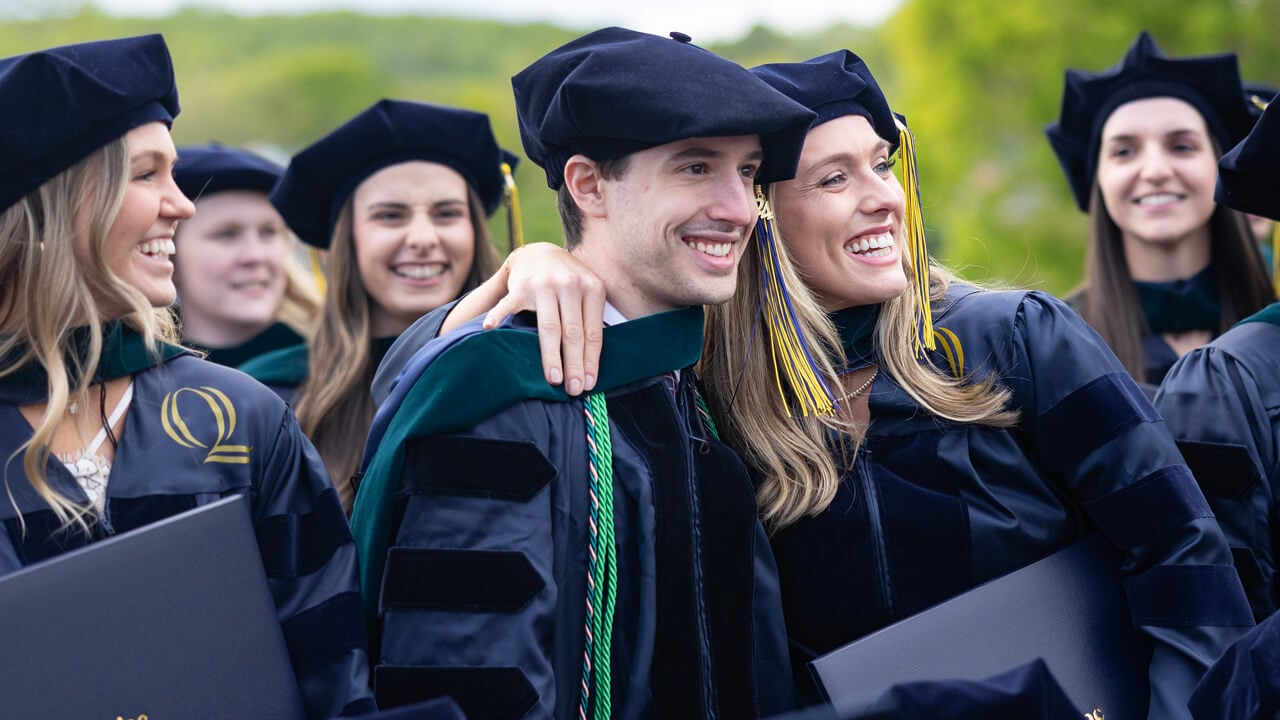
(1069, 609)
(172, 620)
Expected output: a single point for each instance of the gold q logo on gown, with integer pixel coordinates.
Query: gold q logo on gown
(223, 425)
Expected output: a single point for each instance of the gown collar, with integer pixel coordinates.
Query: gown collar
(1182, 305)
(124, 352)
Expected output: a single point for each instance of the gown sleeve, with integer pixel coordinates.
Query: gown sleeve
(1094, 432)
(310, 559)
(1219, 406)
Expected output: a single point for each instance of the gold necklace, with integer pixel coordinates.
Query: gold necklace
(861, 388)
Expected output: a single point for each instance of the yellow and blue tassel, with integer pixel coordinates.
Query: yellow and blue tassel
(791, 354)
(916, 245)
(511, 198)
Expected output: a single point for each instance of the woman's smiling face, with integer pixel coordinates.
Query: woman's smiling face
(1156, 170)
(841, 217)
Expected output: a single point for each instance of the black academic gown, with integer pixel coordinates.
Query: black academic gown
(1222, 403)
(931, 508)
(473, 523)
(197, 432)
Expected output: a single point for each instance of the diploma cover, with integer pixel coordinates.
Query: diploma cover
(1069, 609)
(171, 620)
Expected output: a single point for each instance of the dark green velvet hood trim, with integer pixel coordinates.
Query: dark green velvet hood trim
(124, 352)
(1269, 314)
(275, 337)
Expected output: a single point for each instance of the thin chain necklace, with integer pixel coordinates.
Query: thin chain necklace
(861, 388)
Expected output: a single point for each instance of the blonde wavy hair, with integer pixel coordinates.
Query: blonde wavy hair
(801, 458)
(302, 302)
(334, 405)
(46, 294)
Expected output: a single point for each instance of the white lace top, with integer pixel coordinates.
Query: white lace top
(91, 469)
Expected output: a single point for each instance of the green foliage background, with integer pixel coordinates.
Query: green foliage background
(977, 80)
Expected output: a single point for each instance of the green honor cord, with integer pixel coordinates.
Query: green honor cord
(602, 568)
(602, 556)
(706, 416)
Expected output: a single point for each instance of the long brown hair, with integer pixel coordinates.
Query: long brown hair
(334, 406)
(1108, 300)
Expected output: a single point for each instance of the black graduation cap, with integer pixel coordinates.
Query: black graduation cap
(833, 85)
(1209, 83)
(1249, 174)
(213, 168)
(62, 104)
(614, 92)
(839, 84)
(321, 178)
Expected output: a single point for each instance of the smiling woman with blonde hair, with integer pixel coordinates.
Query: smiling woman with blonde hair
(242, 290)
(92, 386)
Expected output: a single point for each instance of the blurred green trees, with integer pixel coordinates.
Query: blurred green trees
(977, 80)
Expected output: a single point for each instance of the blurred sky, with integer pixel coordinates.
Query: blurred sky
(705, 21)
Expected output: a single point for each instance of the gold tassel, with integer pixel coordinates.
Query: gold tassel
(1275, 257)
(789, 352)
(1261, 103)
(515, 232)
(317, 270)
(916, 246)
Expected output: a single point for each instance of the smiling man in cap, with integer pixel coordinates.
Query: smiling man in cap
(534, 554)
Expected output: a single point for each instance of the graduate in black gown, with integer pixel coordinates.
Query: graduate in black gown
(105, 423)
(398, 195)
(1167, 268)
(982, 430)
(538, 555)
(1222, 402)
(242, 291)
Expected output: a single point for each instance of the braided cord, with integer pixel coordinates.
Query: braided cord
(706, 414)
(602, 561)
